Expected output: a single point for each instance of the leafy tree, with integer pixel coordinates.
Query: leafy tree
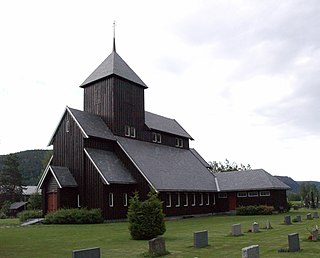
(11, 179)
(309, 195)
(146, 219)
(34, 201)
(227, 166)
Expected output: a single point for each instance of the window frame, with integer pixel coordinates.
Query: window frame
(264, 193)
(111, 204)
(179, 142)
(251, 194)
(168, 205)
(242, 194)
(178, 200)
(208, 199)
(125, 199)
(186, 199)
(222, 195)
(201, 199)
(194, 200)
(156, 137)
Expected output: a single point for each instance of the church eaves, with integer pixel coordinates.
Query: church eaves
(113, 65)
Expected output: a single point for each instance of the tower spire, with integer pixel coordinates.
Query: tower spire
(114, 36)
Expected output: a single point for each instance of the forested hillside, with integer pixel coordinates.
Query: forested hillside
(32, 163)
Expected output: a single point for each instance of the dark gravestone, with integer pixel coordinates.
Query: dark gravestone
(298, 218)
(294, 244)
(157, 246)
(308, 216)
(200, 238)
(86, 253)
(287, 219)
(315, 215)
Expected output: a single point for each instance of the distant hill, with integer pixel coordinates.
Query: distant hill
(295, 185)
(31, 165)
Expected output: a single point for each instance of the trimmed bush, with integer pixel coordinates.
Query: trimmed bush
(146, 219)
(29, 214)
(254, 210)
(74, 216)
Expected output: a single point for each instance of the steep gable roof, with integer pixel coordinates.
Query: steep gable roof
(110, 167)
(91, 125)
(113, 64)
(164, 124)
(256, 179)
(168, 168)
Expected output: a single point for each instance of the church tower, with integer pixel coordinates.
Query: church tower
(116, 93)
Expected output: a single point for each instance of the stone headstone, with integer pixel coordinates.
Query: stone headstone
(294, 244)
(268, 225)
(251, 252)
(287, 219)
(86, 253)
(200, 238)
(314, 234)
(236, 230)
(255, 227)
(157, 246)
(308, 216)
(298, 218)
(315, 215)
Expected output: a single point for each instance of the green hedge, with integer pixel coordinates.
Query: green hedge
(74, 216)
(29, 214)
(254, 210)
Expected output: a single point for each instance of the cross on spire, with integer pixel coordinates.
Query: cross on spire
(114, 36)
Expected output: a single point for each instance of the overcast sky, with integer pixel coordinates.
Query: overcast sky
(242, 77)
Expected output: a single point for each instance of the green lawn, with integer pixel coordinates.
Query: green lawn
(58, 241)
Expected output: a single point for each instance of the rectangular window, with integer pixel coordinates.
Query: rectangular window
(125, 199)
(156, 137)
(127, 130)
(242, 194)
(208, 199)
(132, 132)
(110, 199)
(253, 194)
(67, 126)
(168, 200)
(265, 193)
(214, 199)
(179, 142)
(201, 199)
(193, 199)
(222, 195)
(178, 200)
(78, 201)
(185, 199)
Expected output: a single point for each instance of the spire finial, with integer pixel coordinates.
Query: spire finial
(114, 36)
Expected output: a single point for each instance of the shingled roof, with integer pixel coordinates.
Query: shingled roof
(110, 167)
(256, 179)
(168, 168)
(113, 65)
(63, 176)
(164, 124)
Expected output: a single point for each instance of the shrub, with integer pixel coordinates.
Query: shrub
(74, 216)
(254, 210)
(146, 219)
(29, 214)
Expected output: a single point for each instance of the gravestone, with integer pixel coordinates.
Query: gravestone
(236, 230)
(308, 216)
(314, 234)
(255, 227)
(298, 218)
(294, 244)
(268, 225)
(287, 219)
(200, 238)
(315, 215)
(251, 252)
(86, 253)
(157, 246)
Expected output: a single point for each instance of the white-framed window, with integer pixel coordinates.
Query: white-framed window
(78, 201)
(214, 199)
(253, 194)
(178, 200)
(242, 194)
(264, 193)
(201, 199)
(208, 199)
(186, 200)
(193, 199)
(125, 199)
(179, 142)
(67, 126)
(110, 199)
(130, 131)
(222, 195)
(156, 137)
(168, 200)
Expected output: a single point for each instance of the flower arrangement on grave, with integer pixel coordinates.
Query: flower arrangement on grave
(313, 233)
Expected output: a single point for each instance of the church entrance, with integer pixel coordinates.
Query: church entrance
(52, 201)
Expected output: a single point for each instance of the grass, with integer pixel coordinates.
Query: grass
(56, 241)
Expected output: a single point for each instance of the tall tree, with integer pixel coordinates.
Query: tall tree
(227, 166)
(11, 180)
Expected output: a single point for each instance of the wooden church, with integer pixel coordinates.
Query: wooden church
(114, 147)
